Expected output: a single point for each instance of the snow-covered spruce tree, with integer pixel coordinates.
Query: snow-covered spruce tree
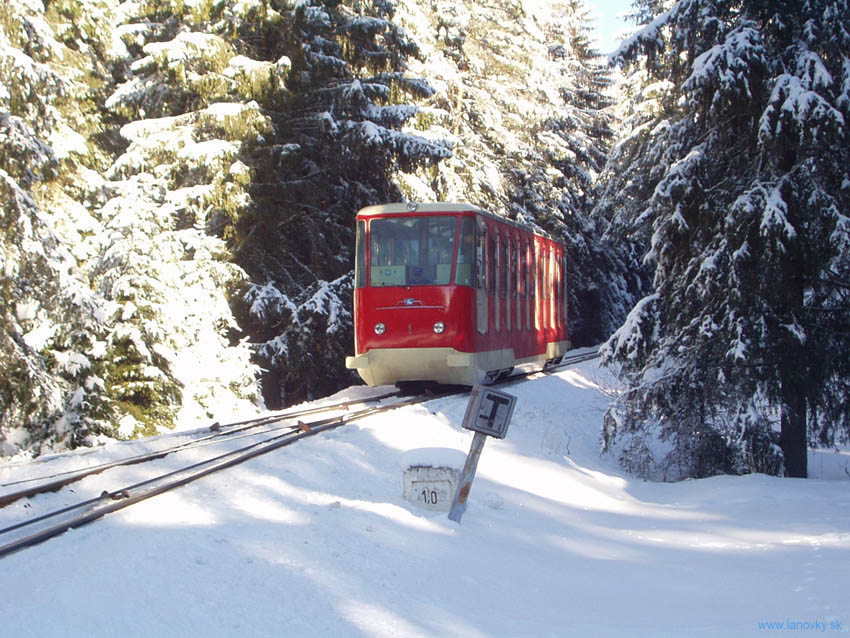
(337, 142)
(113, 292)
(602, 287)
(744, 197)
(51, 323)
(29, 395)
(186, 117)
(523, 96)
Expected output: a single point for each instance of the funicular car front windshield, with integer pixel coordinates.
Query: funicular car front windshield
(411, 251)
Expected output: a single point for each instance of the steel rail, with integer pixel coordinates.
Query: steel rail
(59, 480)
(109, 502)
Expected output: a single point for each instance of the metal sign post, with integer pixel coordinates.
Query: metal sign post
(487, 414)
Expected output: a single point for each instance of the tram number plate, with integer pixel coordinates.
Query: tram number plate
(433, 495)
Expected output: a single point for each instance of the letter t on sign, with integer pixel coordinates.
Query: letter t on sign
(488, 414)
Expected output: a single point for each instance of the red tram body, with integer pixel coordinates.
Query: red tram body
(450, 293)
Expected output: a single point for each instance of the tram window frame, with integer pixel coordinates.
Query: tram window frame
(360, 265)
(481, 258)
(547, 289)
(491, 264)
(524, 273)
(563, 287)
(503, 267)
(550, 296)
(533, 272)
(466, 250)
(515, 268)
(526, 302)
(556, 288)
(409, 251)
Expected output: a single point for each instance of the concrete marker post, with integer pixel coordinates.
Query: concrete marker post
(487, 414)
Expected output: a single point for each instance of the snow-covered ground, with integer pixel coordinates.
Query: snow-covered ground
(316, 539)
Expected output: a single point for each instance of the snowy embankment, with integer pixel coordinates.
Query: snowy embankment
(316, 540)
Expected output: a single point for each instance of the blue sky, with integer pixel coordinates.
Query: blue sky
(609, 21)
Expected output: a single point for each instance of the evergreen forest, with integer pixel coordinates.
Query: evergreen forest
(179, 180)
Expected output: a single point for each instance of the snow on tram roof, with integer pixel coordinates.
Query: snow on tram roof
(419, 207)
(403, 208)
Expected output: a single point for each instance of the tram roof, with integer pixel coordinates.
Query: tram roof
(417, 208)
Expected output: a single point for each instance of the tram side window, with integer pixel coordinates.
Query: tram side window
(360, 250)
(563, 288)
(465, 270)
(533, 271)
(533, 290)
(515, 270)
(556, 289)
(480, 259)
(491, 261)
(524, 261)
(412, 251)
(503, 268)
(550, 301)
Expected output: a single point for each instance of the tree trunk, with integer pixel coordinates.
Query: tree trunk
(272, 386)
(793, 435)
(793, 360)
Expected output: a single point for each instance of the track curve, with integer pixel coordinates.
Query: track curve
(40, 528)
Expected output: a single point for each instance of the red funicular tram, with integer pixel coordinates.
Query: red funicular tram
(450, 293)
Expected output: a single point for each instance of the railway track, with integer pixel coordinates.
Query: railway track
(276, 431)
(218, 433)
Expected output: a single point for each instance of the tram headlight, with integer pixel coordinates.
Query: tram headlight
(380, 328)
(439, 327)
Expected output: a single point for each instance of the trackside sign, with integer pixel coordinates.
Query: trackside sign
(487, 414)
